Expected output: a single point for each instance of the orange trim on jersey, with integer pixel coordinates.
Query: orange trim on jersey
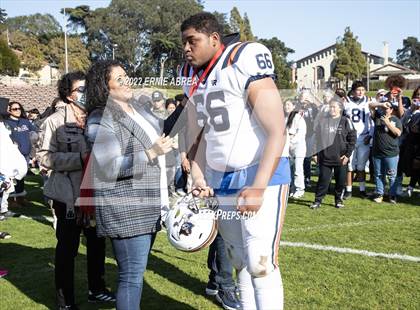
(232, 55)
(283, 205)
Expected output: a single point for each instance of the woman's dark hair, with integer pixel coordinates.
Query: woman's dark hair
(340, 92)
(34, 111)
(203, 22)
(97, 79)
(65, 85)
(416, 93)
(293, 113)
(23, 114)
(170, 101)
(395, 81)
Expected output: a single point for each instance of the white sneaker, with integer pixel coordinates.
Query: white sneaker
(409, 192)
(298, 194)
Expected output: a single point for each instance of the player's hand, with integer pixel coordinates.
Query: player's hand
(315, 159)
(250, 200)
(186, 166)
(200, 189)
(344, 160)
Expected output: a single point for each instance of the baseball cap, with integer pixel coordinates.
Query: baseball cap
(157, 96)
(381, 91)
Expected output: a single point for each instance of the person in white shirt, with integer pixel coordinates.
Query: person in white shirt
(296, 129)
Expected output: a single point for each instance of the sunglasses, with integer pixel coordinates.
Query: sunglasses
(16, 109)
(80, 89)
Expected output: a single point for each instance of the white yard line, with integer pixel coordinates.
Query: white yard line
(349, 224)
(318, 247)
(349, 251)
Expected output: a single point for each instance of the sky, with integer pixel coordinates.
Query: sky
(304, 25)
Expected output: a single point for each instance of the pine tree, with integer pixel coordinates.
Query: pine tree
(350, 62)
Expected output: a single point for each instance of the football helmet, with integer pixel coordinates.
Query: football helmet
(192, 224)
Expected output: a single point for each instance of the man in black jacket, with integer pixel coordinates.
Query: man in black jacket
(335, 138)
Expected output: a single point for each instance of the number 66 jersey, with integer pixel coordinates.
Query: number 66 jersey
(235, 140)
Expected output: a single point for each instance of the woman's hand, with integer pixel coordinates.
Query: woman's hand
(161, 146)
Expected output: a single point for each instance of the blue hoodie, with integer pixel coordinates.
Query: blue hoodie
(20, 130)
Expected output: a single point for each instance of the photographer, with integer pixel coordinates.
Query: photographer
(387, 131)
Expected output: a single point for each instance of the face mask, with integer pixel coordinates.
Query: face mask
(80, 100)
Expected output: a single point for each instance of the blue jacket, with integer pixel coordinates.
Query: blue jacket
(20, 130)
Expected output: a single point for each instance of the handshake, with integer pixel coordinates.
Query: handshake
(160, 147)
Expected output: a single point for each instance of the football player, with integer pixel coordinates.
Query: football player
(236, 112)
(357, 109)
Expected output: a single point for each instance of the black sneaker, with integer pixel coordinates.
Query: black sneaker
(315, 205)
(228, 299)
(104, 296)
(346, 195)
(212, 289)
(339, 205)
(363, 194)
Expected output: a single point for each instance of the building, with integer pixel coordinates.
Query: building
(315, 70)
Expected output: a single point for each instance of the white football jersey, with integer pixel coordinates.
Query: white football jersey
(359, 113)
(235, 140)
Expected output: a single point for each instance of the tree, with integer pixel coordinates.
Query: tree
(247, 32)
(350, 62)
(43, 26)
(241, 25)
(78, 54)
(9, 62)
(3, 16)
(409, 54)
(279, 52)
(32, 58)
(147, 40)
(222, 19)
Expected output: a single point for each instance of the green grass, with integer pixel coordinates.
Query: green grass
(312, 279)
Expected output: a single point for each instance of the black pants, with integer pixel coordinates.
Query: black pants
(20, 186)
(68, 239)
(220, 265)
(414, 180)
(325, 173)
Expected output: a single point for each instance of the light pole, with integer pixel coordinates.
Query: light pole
(65, 42)
(368, 71)
(114, 46)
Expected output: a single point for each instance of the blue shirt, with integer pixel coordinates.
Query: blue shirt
(20, 130)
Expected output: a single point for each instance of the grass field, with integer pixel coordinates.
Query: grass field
(313, 278)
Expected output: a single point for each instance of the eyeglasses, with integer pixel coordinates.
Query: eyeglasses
(16, 109)
(80, 89)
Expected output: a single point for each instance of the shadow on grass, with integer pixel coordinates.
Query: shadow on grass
(175, 275)
(31, 271)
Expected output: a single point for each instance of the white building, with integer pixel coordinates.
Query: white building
(315, 70)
